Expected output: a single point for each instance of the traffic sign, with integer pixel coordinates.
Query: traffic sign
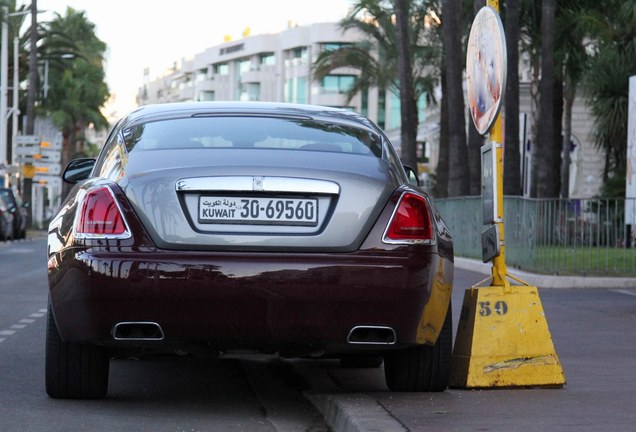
(50, 169)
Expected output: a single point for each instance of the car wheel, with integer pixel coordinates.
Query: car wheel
(74, 370)
(422, 368)
(361, 361)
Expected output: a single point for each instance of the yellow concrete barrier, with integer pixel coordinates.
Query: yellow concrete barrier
(503, 341)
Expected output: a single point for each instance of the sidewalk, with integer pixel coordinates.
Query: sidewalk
(549, 281)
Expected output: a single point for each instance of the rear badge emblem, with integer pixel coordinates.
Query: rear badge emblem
(257, 183)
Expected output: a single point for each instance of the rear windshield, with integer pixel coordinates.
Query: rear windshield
(253, 133)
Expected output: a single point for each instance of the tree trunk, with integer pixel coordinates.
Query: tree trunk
(441, 172)
(453, 52)
(512, 159)
(542, 160)
(534, 114)
(408, 106)
(569, 95)
(557, 135)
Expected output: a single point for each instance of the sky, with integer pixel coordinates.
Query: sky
(154, 34)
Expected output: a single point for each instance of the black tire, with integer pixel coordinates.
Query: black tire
(361, 361)
(75, 371)
(422, 368)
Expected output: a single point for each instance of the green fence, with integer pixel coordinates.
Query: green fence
(550, 236)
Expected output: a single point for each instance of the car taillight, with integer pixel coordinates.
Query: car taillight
(411, 221)
(100, 216)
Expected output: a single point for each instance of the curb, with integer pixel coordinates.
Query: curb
(550, 281)
(354, 413)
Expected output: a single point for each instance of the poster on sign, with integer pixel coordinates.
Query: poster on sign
(486, 68)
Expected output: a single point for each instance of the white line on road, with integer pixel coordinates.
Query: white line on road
(629, 293)
(23, 323)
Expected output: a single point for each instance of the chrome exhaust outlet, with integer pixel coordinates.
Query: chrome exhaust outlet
(138, 331)
(372, 335)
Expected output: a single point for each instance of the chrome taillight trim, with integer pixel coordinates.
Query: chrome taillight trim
(387, 240)
(86, 236)
(257, 184)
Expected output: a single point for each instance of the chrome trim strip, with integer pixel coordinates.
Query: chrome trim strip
(258, 184)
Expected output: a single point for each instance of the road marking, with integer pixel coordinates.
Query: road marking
(22, 324)
(629, 293)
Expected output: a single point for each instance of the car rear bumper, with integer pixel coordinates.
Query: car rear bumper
(244, 300)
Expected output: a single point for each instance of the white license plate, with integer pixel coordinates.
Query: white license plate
(258, 211)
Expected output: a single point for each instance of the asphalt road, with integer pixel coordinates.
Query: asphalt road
(594, 332)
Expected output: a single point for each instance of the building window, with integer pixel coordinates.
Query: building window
(297, 56)
(250, 92)
(381, 109)
(337, 83)
(268, 59)
(334, 46)
(395, 116)
(296, 90)
(206, 96)
(243, 66)
(364, 103)
(221, 69)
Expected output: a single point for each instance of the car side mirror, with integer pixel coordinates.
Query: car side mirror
(78, 170)
(412, 176)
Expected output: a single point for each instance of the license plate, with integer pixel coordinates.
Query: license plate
(258, 211)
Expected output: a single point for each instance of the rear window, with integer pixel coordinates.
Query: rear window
(252, 133)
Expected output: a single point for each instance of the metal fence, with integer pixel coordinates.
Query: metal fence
(551, 236)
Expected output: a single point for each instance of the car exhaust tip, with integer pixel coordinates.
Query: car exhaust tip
(372, 335)
(139, 331)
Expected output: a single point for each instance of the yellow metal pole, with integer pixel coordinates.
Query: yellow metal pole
(499, 270)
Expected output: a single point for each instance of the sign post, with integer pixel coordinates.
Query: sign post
(502, 338)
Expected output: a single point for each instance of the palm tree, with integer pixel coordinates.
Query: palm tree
(376, 57)
(78, 90)
(606, 80)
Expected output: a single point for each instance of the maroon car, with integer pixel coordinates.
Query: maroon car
(230, 227)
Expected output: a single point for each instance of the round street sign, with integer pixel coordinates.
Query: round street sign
(485, 68)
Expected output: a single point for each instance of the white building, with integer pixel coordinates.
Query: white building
(271, 68)
(277, 68)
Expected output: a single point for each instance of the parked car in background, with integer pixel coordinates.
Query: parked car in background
(17, 209)
(6, 220)
(247, 227)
